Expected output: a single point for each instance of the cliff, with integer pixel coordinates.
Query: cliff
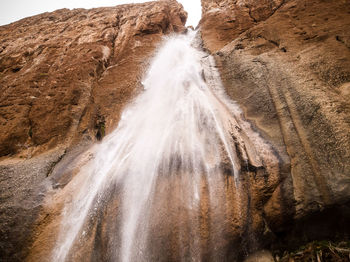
(287, 64)
(62, 73)
(65, 76)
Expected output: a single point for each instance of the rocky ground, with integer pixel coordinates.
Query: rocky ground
(317, 251)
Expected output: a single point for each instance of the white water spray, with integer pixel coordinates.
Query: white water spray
(176, 133)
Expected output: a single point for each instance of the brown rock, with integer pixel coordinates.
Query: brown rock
(62, 71)
(287, 64)
(222, 21)
(260, 256)
(65, 76)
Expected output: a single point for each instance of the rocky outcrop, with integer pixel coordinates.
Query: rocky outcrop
(65, 76)
(222, 21)
(287, 64)
(63, 73)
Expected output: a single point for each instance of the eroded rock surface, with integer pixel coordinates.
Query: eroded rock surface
(287, 64)
(65, 76)
(63, 72)
(222, 21)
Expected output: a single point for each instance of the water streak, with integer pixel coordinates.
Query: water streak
(172, 149)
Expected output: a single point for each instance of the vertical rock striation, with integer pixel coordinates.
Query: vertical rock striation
(65, 77)
(287, 64)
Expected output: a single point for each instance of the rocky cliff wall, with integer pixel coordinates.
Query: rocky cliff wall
(63, 73)
(287, 64)
(65, 76)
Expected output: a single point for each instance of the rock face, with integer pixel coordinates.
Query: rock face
(63, 73)
(287, 64)
(64, 79)
(222, 21)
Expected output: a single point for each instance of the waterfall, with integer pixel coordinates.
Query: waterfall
(156, 185)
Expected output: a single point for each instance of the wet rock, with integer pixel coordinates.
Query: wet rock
(65, 76)
(23, 186)
(287, 64)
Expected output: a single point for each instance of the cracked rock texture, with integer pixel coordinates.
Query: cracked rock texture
(224, 20)
(65, 76)
(287, 64)
(60, 71)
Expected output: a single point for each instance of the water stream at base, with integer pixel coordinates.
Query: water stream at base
(162, 171)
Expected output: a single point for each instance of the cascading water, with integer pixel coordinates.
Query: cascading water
(156, 188)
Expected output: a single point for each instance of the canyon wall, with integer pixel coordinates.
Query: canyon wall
(65, 76)
(287, 64)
